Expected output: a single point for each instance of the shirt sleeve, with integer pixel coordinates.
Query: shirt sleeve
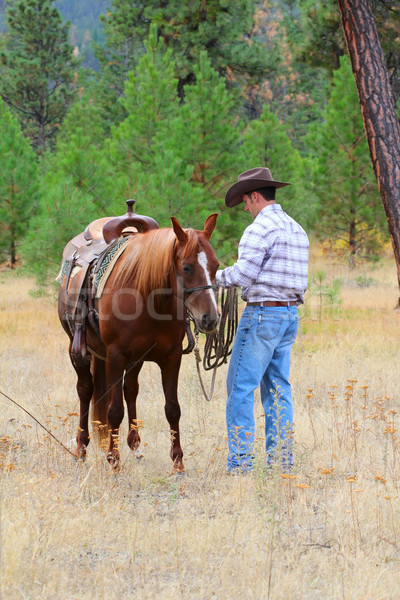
(251, 258)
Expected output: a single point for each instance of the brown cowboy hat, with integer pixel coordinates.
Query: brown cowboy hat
(250, 181)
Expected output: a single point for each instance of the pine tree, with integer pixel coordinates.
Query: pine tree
(18, 184)
(207, 124)
(151, 104)
(63, 212)
(194, 154)
(293, 91)
(378, 111)
(174, 159)
(318, 36)
(71, 191)
(150, 100)
(222, 29)
(266, 144)
(37, 68)
(79, 151)
(350, 212)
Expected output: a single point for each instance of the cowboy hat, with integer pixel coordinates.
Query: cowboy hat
(250, 181)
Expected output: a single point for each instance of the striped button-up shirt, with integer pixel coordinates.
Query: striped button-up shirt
(272, 260)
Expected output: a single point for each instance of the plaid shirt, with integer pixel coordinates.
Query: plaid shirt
(272, 260)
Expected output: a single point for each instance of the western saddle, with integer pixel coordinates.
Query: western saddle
(83, 256)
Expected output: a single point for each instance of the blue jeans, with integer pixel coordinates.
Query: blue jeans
(261, 357)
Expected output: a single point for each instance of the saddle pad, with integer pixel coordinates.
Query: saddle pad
(65, 268)
(107, 265)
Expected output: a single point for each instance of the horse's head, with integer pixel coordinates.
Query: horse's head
(196, 265)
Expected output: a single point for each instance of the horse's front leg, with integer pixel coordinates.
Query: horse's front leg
(169, 373)
(115, 367)
(131, 390)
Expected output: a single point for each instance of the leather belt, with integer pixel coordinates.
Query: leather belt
(272, 303)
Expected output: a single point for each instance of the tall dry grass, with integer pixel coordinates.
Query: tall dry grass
(330, 530)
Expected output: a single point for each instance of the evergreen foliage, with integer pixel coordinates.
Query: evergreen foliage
(266, 143)
(18, 184)
(70, 191)
(37, 68)
(150, 103)
(173, 158)
(78, 154)
(176, 139)
(350, 213)
(187, 27)
(293, 90)
(221, 28)
(212, 135)
(64, 211)
(320, 41)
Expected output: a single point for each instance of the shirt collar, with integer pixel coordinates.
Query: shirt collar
(271, 207)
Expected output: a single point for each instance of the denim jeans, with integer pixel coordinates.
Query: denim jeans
(261, 357)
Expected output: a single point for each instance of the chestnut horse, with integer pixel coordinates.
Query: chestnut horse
(161, 275)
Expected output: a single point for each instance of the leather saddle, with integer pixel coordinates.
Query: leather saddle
(83, 256)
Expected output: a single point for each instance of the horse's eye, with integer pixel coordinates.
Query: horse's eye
(187, 269)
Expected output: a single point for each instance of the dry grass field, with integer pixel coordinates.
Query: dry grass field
(330, 530)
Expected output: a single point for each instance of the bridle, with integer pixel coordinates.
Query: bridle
(186, 290)
(218, 342)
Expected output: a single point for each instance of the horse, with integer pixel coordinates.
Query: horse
(161, 276)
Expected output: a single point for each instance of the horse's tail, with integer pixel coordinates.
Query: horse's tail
(99, 400)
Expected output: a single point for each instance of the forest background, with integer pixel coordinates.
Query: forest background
(167, 103)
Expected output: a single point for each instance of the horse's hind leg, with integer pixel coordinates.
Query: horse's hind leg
(115, 369)
(84, 388)
(100, 400)
(131, 390)
(169, 373)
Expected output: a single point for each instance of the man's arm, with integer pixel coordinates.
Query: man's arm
(251, 256)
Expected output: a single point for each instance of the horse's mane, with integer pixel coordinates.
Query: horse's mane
(147, 259)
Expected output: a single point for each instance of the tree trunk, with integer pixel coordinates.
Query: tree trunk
(377, 108)
(13, 257)
(352, 244)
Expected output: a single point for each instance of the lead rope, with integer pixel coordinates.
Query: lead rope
(39, 423)
(218, 344)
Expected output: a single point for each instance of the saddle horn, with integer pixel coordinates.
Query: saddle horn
(114, 227)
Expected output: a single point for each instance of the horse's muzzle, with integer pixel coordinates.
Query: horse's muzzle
(208, 323)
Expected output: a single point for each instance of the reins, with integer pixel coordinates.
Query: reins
(39, 423)
(218, 344)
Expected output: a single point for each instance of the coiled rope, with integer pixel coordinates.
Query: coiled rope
(218, 344)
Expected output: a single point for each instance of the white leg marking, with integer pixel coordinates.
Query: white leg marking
(202, 258)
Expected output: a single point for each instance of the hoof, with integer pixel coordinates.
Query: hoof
(178, 468)
(80, 453)
(113, 459)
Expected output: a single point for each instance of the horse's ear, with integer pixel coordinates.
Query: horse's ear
(209, 225)
(180, 234)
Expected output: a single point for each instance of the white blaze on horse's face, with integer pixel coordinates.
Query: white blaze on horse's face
(203, 262)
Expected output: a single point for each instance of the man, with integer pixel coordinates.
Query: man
(272, 270)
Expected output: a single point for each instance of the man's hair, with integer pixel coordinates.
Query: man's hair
(268, 193)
